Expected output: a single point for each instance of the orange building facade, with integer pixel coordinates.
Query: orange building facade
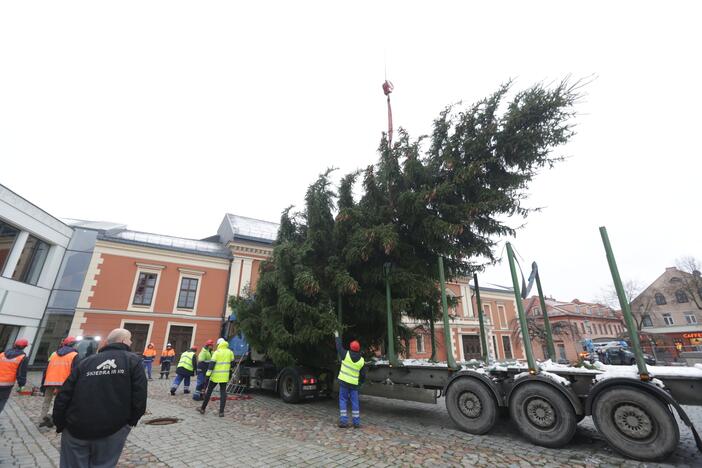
(162, 289)
(499, 312)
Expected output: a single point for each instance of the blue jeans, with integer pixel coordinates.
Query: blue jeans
(178, 379)
(199, 384)
(147, 366)
(346, 394)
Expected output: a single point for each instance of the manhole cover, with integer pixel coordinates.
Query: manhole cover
(161, 421)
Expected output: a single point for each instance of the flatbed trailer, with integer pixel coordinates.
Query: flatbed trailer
(632, 407)
(635, 417)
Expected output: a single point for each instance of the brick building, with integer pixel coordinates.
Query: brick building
(572, 322)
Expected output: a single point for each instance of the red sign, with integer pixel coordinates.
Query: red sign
(692, 335)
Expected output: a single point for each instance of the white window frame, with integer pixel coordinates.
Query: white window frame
(666, 317)
(150, 323)
(689, 315)
(488, 312)
(511, 348)
(190, 274)
(192, 325)
(145, 268)
(502, 315)
(536, 311)
(420, 340)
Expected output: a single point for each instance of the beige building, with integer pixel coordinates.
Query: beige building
(668, 310)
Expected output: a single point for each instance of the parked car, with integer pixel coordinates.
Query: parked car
(619, 356)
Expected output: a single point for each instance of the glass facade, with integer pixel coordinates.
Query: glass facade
(8, 234)
(31, 261)
(64, 297)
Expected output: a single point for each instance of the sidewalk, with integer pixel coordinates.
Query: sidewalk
(21, 443)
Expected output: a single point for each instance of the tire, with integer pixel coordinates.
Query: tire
(289, 386)
(632, 361)
(635, 423)
(471, 405)
(543, 414)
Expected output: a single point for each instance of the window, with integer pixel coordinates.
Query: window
(188, 291)
(646, 321)
(668, 319)
(680, 296)
(600, 312)
(507, 347)
(494, 346)
(536, 311)
(562, 352)
(31, 261)
(582, 327)
(420, 343)
(503, 316)
(660, 299)
(8, 234)
(690, 318)
(599, 325)
(609, 328)
(144, 293)
(487, 313)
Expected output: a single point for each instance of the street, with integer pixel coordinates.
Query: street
(264, 431)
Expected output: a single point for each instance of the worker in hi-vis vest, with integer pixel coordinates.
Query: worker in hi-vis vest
(219, 373)
(351, 376)
(13, 368)
(186, 369)
(61, 363)
(167, 358)
(203, 362)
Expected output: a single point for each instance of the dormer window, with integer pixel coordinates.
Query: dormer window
(660, 299)
(680, 296)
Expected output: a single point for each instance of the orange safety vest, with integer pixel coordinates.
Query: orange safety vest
(59, 369)
(168, 353)
(8, 369)
(149, 352)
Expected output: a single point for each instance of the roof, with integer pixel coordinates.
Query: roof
(251, 229)
(575, 307)
(180, 244)
(94, 225)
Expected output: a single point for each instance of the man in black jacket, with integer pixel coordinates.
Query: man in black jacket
(104, 395)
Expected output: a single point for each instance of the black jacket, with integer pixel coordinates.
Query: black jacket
(105, 392)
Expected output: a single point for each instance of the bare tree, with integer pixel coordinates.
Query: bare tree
(640, 301)
(537, 332)
(690, 282)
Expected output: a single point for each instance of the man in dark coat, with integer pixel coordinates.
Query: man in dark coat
(104, 395)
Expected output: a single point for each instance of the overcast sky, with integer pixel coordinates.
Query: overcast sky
(167, 115)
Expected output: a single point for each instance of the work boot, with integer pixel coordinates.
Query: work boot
(200, 410)
(186, 391)
(173, 391)
(343, 425)
(221, 414)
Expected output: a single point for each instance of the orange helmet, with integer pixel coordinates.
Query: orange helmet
(209, 343)
(68, 341)
(355, 346)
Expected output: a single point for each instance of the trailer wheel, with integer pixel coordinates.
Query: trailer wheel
(543, 414)
(636, 423)
(288, 387)
(471, 406)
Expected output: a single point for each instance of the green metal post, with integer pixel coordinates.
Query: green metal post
(392, 358)
(547, 322)
(433, 341)
(447, 330)
(520, 310)
(628, 317)
(483, 337)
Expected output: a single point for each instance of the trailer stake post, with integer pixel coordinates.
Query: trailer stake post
(520, 311)
(450, 361)
(626, 309)
(392, 358)
(483, 338)
(547, 322)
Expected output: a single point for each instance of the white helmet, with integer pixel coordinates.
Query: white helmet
(219, 340)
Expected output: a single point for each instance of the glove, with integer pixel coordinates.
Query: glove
(336, 334)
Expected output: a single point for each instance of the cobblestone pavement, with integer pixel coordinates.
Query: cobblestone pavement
(264, 431)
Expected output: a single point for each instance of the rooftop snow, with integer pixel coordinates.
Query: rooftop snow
(170, 242)
(253, 228)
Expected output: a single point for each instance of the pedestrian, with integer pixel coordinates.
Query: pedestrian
(104, 395)
(203, 361)
(185, 370)
(167, 358)
(61, 363)
(219, 373)
(13, 368)
(351, 375)
(149, 355)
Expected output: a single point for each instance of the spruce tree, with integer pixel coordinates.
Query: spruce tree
(455, 200)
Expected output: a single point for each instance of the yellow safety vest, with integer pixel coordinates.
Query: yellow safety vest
(222, 358)
(186, 360)
(350, 370)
